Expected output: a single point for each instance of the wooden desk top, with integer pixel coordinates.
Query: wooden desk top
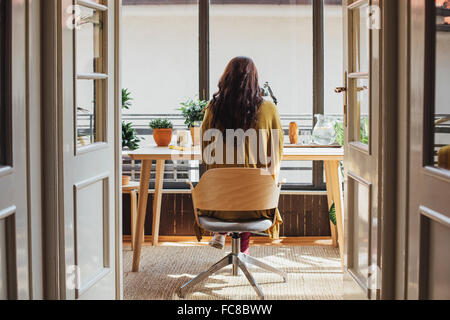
(289, 154)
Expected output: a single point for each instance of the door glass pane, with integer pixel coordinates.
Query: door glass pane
(333, 57)
(89, 42)
(90, 101)
(441, 148)
(279, 39)
(2, 93)
(362, 112)
(5, 118)
(89, 122)
(361, 39)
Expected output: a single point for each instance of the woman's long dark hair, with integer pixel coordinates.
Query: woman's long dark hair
(236, 104)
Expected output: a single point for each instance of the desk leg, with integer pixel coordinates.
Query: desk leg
(332, 169)
(142, 208)
(157, 200)
(134, 210)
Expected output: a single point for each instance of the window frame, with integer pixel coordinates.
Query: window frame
(6, 152)
(318, 183)
(318, 6)
(101, 77)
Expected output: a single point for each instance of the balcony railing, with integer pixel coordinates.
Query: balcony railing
(177, 172)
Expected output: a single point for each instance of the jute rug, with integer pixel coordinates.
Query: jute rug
(314, 273)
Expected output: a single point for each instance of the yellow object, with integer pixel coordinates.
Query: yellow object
(177, 148)
(268, 120)
(444, 158)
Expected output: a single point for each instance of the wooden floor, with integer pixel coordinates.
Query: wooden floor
(255, 241)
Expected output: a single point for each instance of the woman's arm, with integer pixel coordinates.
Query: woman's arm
(275, 139)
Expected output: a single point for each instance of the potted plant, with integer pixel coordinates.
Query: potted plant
(193, 111)
(130, 140)
(162, 131)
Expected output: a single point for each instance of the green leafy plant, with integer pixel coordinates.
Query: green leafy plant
(339, 129)
(161, 124)
(364, 130)
(129, 138)
(193, 111)
(364, 138)
(332, 214)
(126, 99)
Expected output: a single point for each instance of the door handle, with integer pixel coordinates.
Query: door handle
(340, 89)
(344, 90)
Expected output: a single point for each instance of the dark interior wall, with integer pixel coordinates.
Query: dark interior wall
(303, 215)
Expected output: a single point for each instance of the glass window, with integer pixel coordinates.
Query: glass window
(160, 64)
(279, 38)
(5, 108)
(333, 57)
(160, 68)
(89, 41)
(363, 109)
(361, 40)
(2, 93)
(90, 86)
(360, 73)
(160, 57)
(88, 97)
(441, 119)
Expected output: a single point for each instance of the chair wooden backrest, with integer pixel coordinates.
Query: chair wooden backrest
(444, 158)
(236, 189)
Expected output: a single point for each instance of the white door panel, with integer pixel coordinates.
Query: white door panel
(13, 166)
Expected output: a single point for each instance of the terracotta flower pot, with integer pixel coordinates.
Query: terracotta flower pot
(125, 180)
(196, 135)
(163, 137)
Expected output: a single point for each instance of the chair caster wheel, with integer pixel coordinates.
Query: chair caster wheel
(180, 295)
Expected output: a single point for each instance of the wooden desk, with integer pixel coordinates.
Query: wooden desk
(330, 156)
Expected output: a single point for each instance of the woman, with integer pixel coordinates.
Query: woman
(239, 105)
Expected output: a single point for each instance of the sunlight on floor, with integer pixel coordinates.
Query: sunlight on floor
(314, 273)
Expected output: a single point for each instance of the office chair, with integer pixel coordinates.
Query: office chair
(234, 189)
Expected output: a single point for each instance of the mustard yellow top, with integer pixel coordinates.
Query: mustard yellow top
(268, 120)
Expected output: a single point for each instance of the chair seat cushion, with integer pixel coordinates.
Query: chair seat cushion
(216, 225)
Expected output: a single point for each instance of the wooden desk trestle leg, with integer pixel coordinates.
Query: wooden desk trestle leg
(157, 200)
(142, 207)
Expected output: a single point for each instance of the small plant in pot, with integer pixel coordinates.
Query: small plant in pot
(162, 131)
(193, 111)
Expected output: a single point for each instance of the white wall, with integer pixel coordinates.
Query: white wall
(160, 52)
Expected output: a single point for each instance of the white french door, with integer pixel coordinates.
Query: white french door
(90, 148)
